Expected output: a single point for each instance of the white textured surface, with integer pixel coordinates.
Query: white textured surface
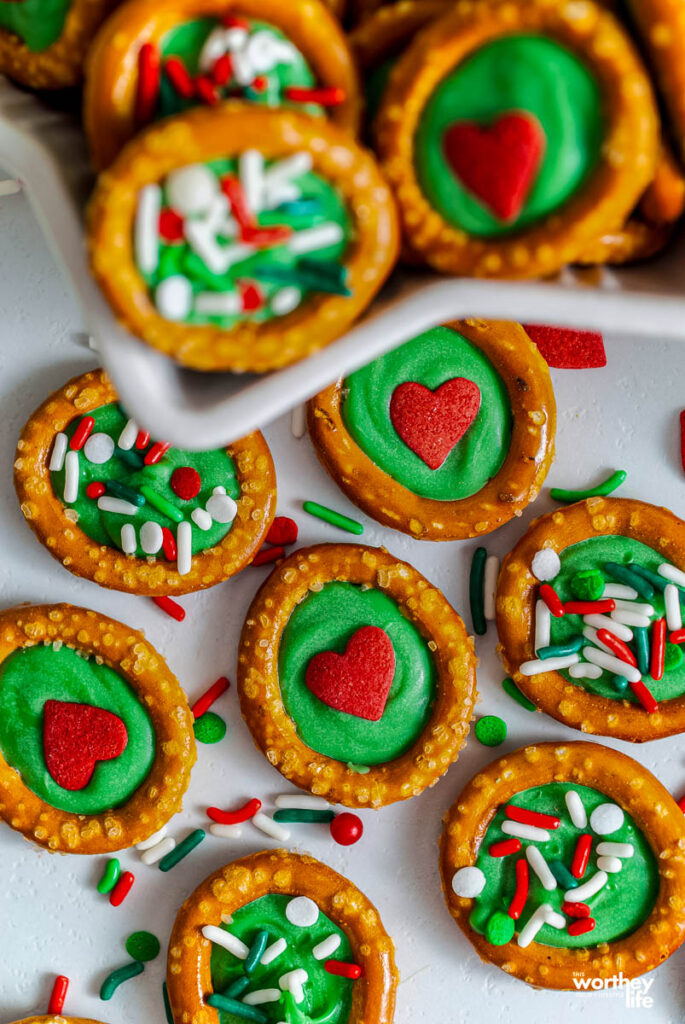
(54, 921)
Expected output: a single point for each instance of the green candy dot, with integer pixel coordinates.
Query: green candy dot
(142, 946)
(500, 929)
(673, 657)
(491, 730)
(209, 728)
(587, 585)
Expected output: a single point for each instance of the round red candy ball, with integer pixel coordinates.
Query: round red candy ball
(186, 482)
(346, 828)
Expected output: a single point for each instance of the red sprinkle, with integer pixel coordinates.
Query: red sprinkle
(244, 813)
(581, 926)
(617, 646)
(526, 817)
(590, 607)
(206, 90)
(122, 889)
(331, 96)
(581, 855)
(156, 452)
(676, 637)
(266, 555)
(552, 600)
(171, 225)
(59, 994)
(95, 489)
(205, 702)
(251, 296)
(82, 433)
(682, 438)
(658, 653)
(186, 482)
(222, 70)
(142, 440)
(521, 892)
(149, 75)
(263, 238)
(681, 804)
(233, 190)
(645, 696)
(505, 847)
(259, 84)
(575, 909)
(169, 544)
(284, 530)
(343, 970)
(177, 73)
(235, 21)
(171, 607)
(346, 828)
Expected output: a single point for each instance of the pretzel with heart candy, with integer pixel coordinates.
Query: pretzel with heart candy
(356, 678)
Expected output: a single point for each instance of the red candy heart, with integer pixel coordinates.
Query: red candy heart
(75, 737)
(566, 349)
(498, 163)
(358, 681)
(431, 422)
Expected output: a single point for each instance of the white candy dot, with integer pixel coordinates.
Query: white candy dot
(99, 448)
(468, 882)
(174, 297)
(191, 189)
(150, 537)
(302, 912)
(606, 818)
(546, 564)
(222, 508)
(285, 300)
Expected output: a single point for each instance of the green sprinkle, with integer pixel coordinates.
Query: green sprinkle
(334, 518)
(510, 688)
(491, 730)
(562, 875)
(209, 728)
(673, 657)
(621, 683)
(641, 648)
(623, 574)
(238, 987)
(476, 596)
(658, 582)
(256, 950)
(182, 850)
(314, 275)
(109, 876)
(127, 493)
(295, 814)
(142, 946)
(587, 585)
(500, 929)
(236, 1008)
(167, 1004)
(571, 646)
(159, 502)
(299, 207)
(611, 484)
(131, 458)
(358, 769)
(118, 977)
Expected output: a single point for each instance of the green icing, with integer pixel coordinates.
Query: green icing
(327, 998)
(592, 554)
(431, 359)
(34, 675)
(620, 906)
(216, 468)
(38, 23)
(326, 620)
(515, 73)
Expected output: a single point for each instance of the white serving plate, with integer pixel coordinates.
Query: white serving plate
(46, 150)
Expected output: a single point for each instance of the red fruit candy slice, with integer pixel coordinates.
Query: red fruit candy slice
(358, 681)
(566, 349)
(76, 737)
(432, 422)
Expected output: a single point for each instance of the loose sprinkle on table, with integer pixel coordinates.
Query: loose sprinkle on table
(329, 515)
(265, 556)
(205, 702)
(512, 690)
(296, 814)
(270, 827)
(185, 847)
(167, 1005)
(159, 850)
(476, 597)
(170, 607)
(58, 995)
(122, 888)
(109, 876)
(298, 421)
(490, 586)
(682, 439)
(236, 817)
(611, 484)
(118, 977)
(152, 840)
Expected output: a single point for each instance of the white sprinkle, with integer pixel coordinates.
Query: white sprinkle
(151, 537)
(533, 925)
(541, 868)
(555, 920)
(218, 303)
(262, 995)
(146, 228)
(612, 865)
(328, 946)
(530, 832)
(191, 189)
(490, 586)
(302, 911)
(226, 831)
(72, 473)
(627, 618)
(201, 518)
(670, 572)
(301, 802)
(219, 489)
(241, 66)
(591, 634)
(293, 982)
(174, 297)
(235, 38)
(222, 508)
(270, 827)
(543, 625)
(265, 52)
(128, 538)
(251, 167)
(590, 888)
(604, 622)
(147, 844)
(288, 168)
(576, 809)
(619, 590)
(158, 851)
(318, 237)
(468, 882)
(612, 664)
(218, 258)
(606, 818)
(273, 951)
(59, 450)
(674, 617)
(634, 606)
(99, 448)
(583, 670)
(220, 937)
(534, 668)
(117, 506)
(213, 48)
(285, 300)
(298, 421)
(546, 565)
(184, 548)
(127, 437)
(622, 850)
